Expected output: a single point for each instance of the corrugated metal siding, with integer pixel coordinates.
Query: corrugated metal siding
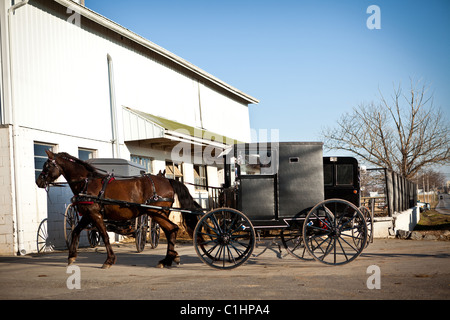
(61, 80)
(224, 116)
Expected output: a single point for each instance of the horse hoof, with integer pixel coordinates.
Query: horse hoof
(71, 260)
(177, 260)
(106, 266)
(160, 266)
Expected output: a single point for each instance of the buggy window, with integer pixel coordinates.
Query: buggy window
(253, 163)
(344, 174)
(328, 174)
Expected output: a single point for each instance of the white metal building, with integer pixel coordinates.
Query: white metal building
(75, 81)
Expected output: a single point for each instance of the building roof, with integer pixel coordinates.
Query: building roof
(115, 27)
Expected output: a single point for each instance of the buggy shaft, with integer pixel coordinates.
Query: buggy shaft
(86, 197)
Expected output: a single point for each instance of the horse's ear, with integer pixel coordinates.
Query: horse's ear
(50, 154)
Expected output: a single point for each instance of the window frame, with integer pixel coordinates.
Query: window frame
(174, 170)
(144, 161)
(44, 157)
(93, 153)
(200, 177)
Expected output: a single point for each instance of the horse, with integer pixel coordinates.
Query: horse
(153, 190)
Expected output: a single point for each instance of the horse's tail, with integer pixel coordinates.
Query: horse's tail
(188, 203)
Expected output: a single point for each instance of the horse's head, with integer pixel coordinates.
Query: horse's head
(50, 172)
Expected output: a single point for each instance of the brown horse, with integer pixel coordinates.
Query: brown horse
(146, 189)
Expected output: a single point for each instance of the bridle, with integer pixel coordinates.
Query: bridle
(46, 172)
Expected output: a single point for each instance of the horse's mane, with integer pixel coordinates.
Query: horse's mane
(86, 165)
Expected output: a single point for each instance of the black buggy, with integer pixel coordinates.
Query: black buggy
(278, 189)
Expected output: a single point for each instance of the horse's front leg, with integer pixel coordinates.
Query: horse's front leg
(97, 220)
(75, 239)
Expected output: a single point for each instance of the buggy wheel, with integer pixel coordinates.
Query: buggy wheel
(155, 232)
(224, 238)
(93, 237)
(140, 235)
(369, 221)
(294, 244)
(71, 219)
(335, 232)
(43, 242)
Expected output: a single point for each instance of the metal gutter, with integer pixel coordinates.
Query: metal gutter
(111, 25)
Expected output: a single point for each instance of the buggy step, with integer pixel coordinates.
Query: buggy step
(268, 224)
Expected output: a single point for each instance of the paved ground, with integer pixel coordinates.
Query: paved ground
(408, 270)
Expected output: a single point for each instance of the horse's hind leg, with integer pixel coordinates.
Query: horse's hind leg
(76, 238)
(170, 230)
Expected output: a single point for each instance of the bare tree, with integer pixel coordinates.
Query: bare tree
(430, 179)
(405, 133)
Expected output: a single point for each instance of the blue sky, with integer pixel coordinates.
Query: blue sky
(306, 61)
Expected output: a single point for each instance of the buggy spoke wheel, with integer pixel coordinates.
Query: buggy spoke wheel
(155, 232)
(71, 219)
(43, 241)
(93, 237)
(335, 232)
(224, 238)
(292, 240)
(368, 216)
(140, 235)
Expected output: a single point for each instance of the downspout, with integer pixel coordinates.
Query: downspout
(19, 247)
(112, 98)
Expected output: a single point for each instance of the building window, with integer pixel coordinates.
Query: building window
(143, 161)
(40, 157)
(85, 154)
(174, 171)
(200, 179)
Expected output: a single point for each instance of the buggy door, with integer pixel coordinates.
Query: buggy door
(258, 196)
(256, 171)
(341, 179)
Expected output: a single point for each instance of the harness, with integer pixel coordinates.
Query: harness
(76, 200)
(106, 180)
(156, 197)
(101, 195)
